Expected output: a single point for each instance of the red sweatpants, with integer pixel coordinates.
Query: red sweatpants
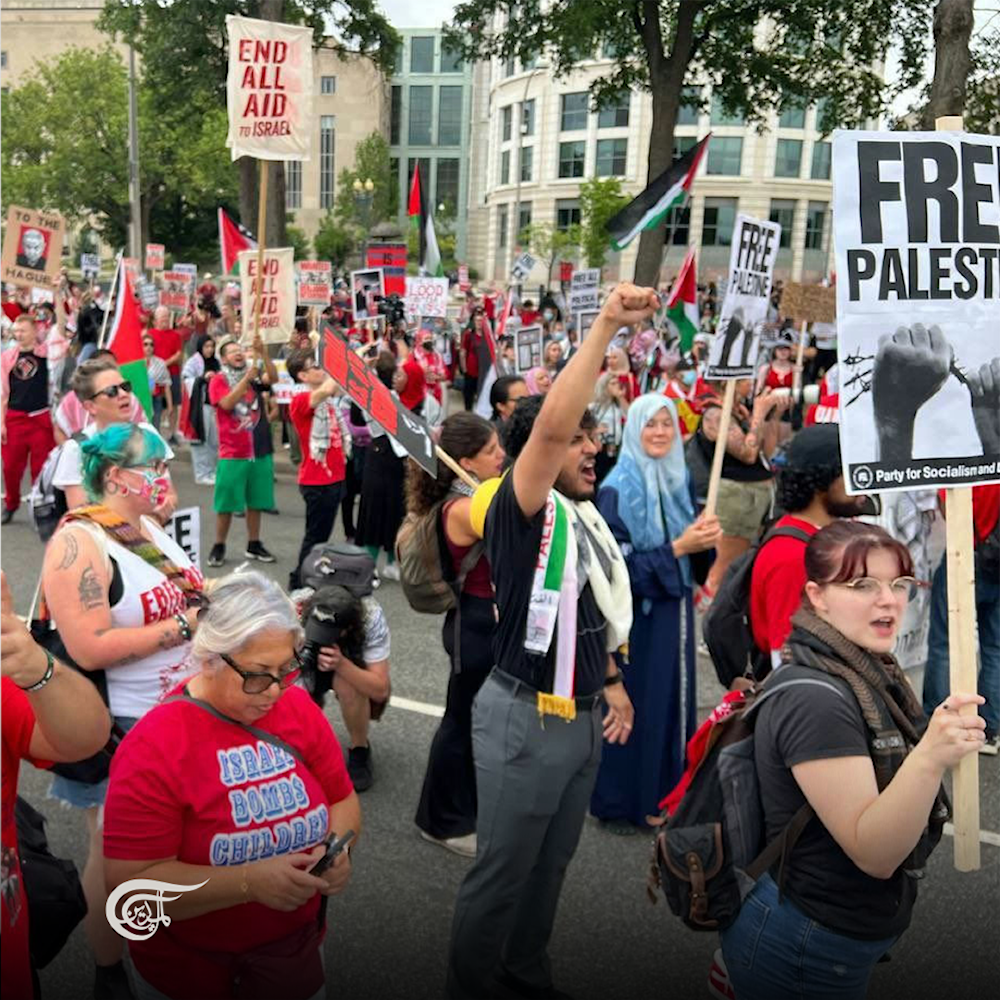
(25, 435)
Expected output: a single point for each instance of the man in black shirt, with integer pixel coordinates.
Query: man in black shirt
(537, 724)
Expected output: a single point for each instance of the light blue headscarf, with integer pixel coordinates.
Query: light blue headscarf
(652, 491)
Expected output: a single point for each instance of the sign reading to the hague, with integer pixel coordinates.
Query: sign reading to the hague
(32, 247)
(808, 303)
(277, 290)
(748, 293)
(916, 218)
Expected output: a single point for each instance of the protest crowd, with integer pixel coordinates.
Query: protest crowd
(587, 502)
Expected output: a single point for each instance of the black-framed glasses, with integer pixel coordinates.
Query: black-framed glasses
(257, 682)
(112, 391)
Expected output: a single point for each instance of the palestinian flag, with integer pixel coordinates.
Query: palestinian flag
(650, 207)
(125, 341)
(233, 240)
(682, 306)
(423, 220)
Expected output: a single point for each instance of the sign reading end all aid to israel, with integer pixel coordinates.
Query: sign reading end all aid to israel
(269, 89)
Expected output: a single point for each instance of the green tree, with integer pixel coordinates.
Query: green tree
(600, 199)
(371, 162)
(550, 244)
(756, 54)
(297, 239)
(333, 241)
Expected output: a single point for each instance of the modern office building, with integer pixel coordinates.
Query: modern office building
(429, 123)
(535, 138)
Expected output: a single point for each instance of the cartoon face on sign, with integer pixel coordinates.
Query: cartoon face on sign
(33, 248)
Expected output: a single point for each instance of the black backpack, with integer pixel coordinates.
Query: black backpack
(339, 563)
(726, 625)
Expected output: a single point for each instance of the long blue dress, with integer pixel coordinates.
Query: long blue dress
(634, 778)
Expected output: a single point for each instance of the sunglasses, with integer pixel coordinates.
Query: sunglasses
(257, 682)
(112, 391)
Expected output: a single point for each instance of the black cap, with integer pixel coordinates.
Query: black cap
(814, 446)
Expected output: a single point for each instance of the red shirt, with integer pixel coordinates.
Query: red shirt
(529, 316)
(779, 576)
(416, 384)
(235, 425)
(311, 472)
(470, 344)
(12, 310)
(166, 343)
(777, 380)
(185, 784)
(985, 510)
(18, 725)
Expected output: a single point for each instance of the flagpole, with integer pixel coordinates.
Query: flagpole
(111, 297)
(262, 239)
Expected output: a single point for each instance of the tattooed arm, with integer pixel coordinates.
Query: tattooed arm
(76, 582)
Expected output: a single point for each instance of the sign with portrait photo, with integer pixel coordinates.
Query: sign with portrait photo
(315, 282)
(32, 247)
(155, 254)
(584, 321)
(527, 348)
(367, 290)
(176, 290)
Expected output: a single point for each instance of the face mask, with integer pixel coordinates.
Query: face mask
(688, 377)
(154, 488)
(548, 315)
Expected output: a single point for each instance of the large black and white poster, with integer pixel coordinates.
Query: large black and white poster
(733, 353)
(916, 219)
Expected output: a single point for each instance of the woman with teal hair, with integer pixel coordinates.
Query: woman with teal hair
(647, 502)
(118, 589)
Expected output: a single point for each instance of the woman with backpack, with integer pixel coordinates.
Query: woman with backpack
(200, 428)
(854, 744)
(446, 814)
(118, 589)
(646, 501)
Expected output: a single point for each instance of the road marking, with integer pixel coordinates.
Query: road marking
(423, 707)
(985, 836)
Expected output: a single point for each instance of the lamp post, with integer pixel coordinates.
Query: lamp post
(364, 196)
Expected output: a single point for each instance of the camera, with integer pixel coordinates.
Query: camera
(332, 616)
(392, 308)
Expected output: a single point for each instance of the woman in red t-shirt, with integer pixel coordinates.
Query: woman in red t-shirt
(780, 373)
(231, 785)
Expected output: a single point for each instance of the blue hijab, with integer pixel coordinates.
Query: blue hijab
(652, 491)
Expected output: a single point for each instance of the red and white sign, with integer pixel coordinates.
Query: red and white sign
(277, 288)
(176, 290)
(426, 297)
(315, 282)
(269, 89)
(131, 264)
(463, 277)
(565, 271)
(155, 253)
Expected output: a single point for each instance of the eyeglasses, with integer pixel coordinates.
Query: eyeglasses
(905, 587)
(111, 391)
(257, 682)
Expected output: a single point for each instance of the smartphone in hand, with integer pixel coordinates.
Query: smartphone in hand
(334, 847)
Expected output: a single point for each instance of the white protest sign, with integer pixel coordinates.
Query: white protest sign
(185, 529)
(584, 321)
(521, 268)
(916, 219)
(527, 348)
(269, 89)
(583, 299)
(315, 282)
(277, 285)
(149, 294)
(189, 269)
(426, 297)
(589, 277)
(90, 264)
(176, 291)
(734, 349)
(155, 253)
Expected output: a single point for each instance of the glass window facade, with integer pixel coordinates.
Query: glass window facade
(395, 115)
(567, 213)
(725, 154)
(722, 117)
(421, 115)
(611, 156)
(293, 184)
(451, 62)
(523, 218)
(687, 113)
(788, 158)
(328, 85)
(449, 116)
(683, 143)
(820, 161)
(502, 226)
(446, 191)
(678, 223)
(505, 167)
(528, 117)
(506, 115)
(815, 223)
(422, 54)
(718, 222)
(615, 115)
(783, 212)
(573, 116)
(572, 157)
(792, 116)
(527, 162)
(327, 142)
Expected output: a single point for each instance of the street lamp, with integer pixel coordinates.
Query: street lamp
(364, 196)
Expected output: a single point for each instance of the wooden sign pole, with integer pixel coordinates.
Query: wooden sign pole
(261, 237)
(720, 447)
(797, 376)
(962, 642)
(111, 297)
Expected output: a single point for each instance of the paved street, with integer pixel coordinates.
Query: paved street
(389, 932)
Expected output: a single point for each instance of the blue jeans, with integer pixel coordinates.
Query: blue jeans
(936, 679)
(775, 952)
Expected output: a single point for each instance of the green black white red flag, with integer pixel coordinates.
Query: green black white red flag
(125, 341)
(649, 208)
(682, 306)
(422, 219)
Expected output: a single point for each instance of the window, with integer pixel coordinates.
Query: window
(3, 59)
(328, 85)
(683, 144)
(505, 167)
(446, 191)
(449, 116)
(508, 67)
(528, 117)
(821, 162)
(610, 49)
(451, 62)
(394, 182)
(611, 157)
(783, 212)
(793, 115)
(395, 115)
(571, 158)
(502, 225)
(422, 54)
(678, 223)
(689, 111)
(615, 115)
(527, 162)
(327, 127)
(574, 112)
(523, 219)
(530, 62)
(788, 158)
(567, 213)
(293, 184)
(724, 155)
(397, 60)
(421, 100)
(721, 117)
(718, 222)
(815, 221)
(506, 115)
(823, 109)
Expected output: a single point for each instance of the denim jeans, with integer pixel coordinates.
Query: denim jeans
(775, 952)
(936, 680)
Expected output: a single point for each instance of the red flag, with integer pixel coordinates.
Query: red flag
(233, 240)
(125, 340)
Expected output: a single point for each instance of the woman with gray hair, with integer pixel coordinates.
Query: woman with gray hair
(232, 785)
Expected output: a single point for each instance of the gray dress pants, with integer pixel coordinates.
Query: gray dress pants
(534, 777)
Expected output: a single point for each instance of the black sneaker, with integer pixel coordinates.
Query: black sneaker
(111, 983)
(217, 556)
(360, 768)
(256, 550)
(7, 515)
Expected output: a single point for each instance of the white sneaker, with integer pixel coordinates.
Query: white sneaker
(390, 572)
(463, 846)
(991, 747)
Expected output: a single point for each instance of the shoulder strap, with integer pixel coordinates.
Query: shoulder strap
(261, 734)
(785, 531)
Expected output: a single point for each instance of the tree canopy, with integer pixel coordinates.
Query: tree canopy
(371, 162)
(600, 199)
